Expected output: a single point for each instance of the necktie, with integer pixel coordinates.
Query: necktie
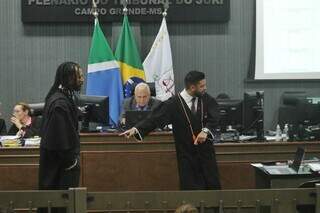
(193, 105)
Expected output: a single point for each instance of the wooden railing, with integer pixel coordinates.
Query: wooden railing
(78, 200)
(13, 201)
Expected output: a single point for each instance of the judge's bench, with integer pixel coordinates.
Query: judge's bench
(113, 163)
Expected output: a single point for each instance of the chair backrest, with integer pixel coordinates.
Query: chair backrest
(223, 96)
(152, 87)
(36, 109)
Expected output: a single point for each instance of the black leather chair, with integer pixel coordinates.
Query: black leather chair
(36, 109)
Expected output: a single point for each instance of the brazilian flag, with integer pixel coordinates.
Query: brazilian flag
(129, 60)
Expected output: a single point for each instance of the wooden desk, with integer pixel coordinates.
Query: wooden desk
(112, 163)
(282, 178)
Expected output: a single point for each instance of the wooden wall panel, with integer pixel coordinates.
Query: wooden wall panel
(130, 171)
(18, 176)
(121, 165)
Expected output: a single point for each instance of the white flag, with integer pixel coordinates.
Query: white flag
(158, 64)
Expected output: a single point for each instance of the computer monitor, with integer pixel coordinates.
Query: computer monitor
(312, 110)
(230, 114)
(299, 109)
(298, 158)
(293, 108)
(133, 117)
(293, 98)
(253, 103)
(94, 109)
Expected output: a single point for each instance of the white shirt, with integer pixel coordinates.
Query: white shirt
(188, 99)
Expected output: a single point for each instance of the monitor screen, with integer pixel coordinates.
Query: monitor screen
(253, 113)
(305, 110)
(96, 108)
(230, 112)
(312, 109)
(298, 158)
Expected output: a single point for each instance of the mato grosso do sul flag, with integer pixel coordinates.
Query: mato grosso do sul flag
(104, 76)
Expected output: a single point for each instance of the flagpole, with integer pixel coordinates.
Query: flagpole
(95, 9)
(164, 14)
(165, 7)
(125, 9)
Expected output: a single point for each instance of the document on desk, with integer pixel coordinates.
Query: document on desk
(8, 137)
(314, 166)
(32, 141)
(275, 169)
(279, 170)
(246, 137)
(270, 138)
(258, 165)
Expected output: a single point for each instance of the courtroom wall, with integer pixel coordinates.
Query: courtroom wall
(30, 53)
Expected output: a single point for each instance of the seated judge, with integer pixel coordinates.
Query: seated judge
(141, 101)
(23, 124)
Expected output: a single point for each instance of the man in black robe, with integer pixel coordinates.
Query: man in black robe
(194, 116)
(60, 144)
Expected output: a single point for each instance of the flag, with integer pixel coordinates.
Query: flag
(158, 64)
(128, 58)
(104, 77)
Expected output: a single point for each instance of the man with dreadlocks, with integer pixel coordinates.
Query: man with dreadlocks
(60, 146)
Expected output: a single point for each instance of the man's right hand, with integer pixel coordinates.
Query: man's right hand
(129, 132)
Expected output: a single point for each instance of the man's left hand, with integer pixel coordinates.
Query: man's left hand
(202, 137)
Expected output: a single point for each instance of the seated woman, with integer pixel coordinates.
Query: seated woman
(23, 124)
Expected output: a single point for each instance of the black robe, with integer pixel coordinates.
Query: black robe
(196, 163)
(3, 128)
(60, 144)
(30, 130)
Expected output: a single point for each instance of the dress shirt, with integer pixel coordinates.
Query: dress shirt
(188, 99)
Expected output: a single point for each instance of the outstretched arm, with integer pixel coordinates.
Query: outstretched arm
(159, 117)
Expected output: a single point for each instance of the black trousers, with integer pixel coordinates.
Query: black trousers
(55, 173)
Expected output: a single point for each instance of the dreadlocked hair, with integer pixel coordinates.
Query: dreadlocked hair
(64, 80)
